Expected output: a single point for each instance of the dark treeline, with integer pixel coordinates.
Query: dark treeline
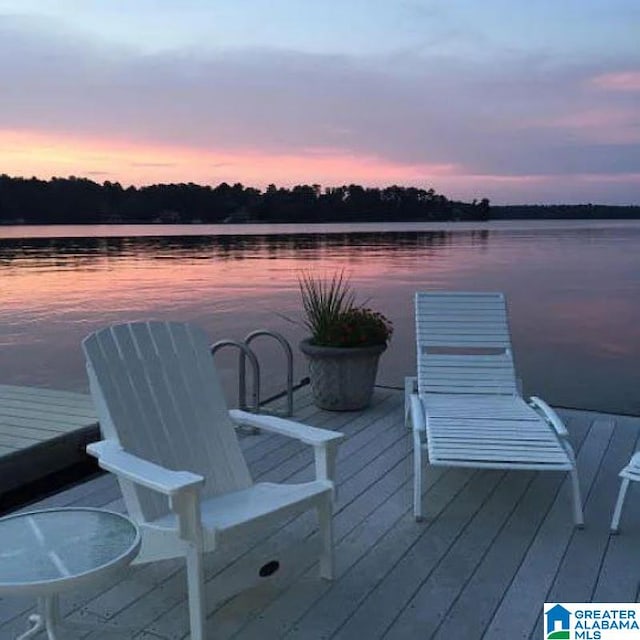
(82, 201)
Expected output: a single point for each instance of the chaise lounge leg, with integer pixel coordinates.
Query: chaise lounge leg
(617, 512)
(417, 477)
(556, 423)
(410, 387)
(578, 516)
(326, 537)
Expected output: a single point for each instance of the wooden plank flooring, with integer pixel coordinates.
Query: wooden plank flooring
(41, 431)
(494, 546)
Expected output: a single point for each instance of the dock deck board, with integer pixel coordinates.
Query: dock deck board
(494, 547)
(41, 431)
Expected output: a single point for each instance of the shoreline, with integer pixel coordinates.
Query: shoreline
(317, 228)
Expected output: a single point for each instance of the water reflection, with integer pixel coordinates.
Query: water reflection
(574, 296)
(80, 253)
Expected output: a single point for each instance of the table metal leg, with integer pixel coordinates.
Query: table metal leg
(40, 620)
(37, 625)
(52, 616)
(47, 619)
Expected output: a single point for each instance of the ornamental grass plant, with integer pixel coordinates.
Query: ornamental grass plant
(333, 317)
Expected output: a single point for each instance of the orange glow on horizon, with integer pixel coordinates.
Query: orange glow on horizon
(29, 153)
(32, 153)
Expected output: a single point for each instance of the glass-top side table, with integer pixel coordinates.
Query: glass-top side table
(43, 553)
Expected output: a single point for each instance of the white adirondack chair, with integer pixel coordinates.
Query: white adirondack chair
(466, 409)
(170, 439)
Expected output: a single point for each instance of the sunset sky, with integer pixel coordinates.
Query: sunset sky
(511, 100)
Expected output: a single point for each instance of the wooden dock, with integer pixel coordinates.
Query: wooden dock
(41, 432)
(494, 547)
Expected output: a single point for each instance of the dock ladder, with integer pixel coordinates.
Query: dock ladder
(247, 353)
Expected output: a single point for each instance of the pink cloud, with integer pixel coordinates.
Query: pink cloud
(617, 81)
(605, 125)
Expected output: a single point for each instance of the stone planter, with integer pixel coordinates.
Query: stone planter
(342, 378)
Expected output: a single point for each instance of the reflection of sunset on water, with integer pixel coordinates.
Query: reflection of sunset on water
(161, 271)
(572, 295)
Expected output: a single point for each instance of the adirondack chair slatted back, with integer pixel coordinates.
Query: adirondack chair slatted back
(463, 343)
(157, 393)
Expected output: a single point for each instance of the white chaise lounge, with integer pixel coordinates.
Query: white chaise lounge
(171, 441)
(628, 474)
(465, 407)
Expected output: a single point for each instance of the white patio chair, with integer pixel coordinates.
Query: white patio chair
(170, 440)
(467, 411)
(629, 473)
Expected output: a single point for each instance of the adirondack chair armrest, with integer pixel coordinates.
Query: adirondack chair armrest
(113, 458)
(551, 416)
(324, 442)
(289, 428)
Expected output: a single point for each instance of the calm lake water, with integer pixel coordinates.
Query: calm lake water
(573, 290)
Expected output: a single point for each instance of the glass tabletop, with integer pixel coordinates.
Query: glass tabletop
(63, 544)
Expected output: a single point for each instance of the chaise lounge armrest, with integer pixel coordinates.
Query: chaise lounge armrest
(289, 428)
(416, 413)
(551, 416)
(112, 457)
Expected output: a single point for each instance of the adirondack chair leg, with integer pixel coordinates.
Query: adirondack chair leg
(578, 516)
(615, 521)
(325, 522)
(195, 584)
(187, 506)
(325, 464)
(417, 476)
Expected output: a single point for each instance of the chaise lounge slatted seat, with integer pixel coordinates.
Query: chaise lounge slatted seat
(465, 406)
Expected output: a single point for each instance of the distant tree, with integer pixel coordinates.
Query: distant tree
(80, 200)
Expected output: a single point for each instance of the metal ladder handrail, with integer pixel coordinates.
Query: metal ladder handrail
(245, 352)
(286, 347)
